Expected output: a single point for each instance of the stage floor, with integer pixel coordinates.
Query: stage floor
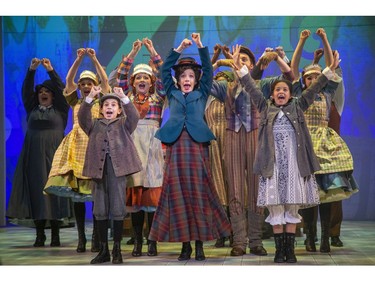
(16, 249)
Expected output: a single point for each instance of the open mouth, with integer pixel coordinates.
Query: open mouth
(186, 87)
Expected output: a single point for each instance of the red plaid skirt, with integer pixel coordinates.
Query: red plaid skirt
(189, 207)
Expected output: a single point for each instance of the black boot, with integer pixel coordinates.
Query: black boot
(185, 251)
(103, 255)
(117, 237)
(220, 243)
(199, 253)
(80, 212)
(324, 241)
(152, 248)
(55, 233)
(40, 235)
(280, 247)
(152, 245)
(325, 224)
(289, 248)
(95, 236)
(310, 237)
(137, 222)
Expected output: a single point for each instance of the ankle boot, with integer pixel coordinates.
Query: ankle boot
(40, 235)
(289, 248)
(152, 249)
(103, 255)
(55, 233)
(280, 247)
(324, 241)
(310, 237)
(185, 251)
(220, 242)
(199, 253)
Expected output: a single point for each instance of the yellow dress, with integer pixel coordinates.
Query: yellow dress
(65, 178)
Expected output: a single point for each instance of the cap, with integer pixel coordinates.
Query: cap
(247, 51)
(142, 68)
(109, 96)
(87, 74)
(186, 61)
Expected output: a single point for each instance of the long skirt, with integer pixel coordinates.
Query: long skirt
(189, 207)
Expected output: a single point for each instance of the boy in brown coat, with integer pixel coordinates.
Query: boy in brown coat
(110, 157)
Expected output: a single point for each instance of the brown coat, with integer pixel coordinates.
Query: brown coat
(113, 133)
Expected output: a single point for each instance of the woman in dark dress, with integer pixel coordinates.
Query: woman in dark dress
(47, 114)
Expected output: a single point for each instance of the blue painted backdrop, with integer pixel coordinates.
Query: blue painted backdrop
(58, 38)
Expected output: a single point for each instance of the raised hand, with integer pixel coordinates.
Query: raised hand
(119, 92)
(35, 62)
(81, 52)
(236, 56)
(197, 39)
(95, 91)
(47, 64)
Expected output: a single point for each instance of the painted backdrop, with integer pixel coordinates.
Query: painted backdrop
(58, 38)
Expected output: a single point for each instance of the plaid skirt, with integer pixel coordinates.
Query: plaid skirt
(189, 207)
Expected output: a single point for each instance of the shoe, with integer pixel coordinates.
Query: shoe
(237, 251)
(220, 243)
(258, 251)
(336, 242)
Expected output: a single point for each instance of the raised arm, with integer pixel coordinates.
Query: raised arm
(125, 65)
(328, 55)
(70, 84)
(99, 70)
(296, 58)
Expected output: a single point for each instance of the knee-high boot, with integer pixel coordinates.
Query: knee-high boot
(280, 247)
(40, 235)
(309, 226)
(117, 237)
(325, 224)
(95, 245)
(290, 257)
(103, 255)
(137, 222)
(152, 248)
(55, 233)
(199, 253)
(80, 213)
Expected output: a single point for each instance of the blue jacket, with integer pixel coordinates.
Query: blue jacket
(186, 112)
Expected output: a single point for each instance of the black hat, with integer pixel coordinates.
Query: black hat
(109, 96)
(247, 51)
(186, 61)
(46, 84)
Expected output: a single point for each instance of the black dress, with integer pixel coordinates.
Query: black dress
(45, 131)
